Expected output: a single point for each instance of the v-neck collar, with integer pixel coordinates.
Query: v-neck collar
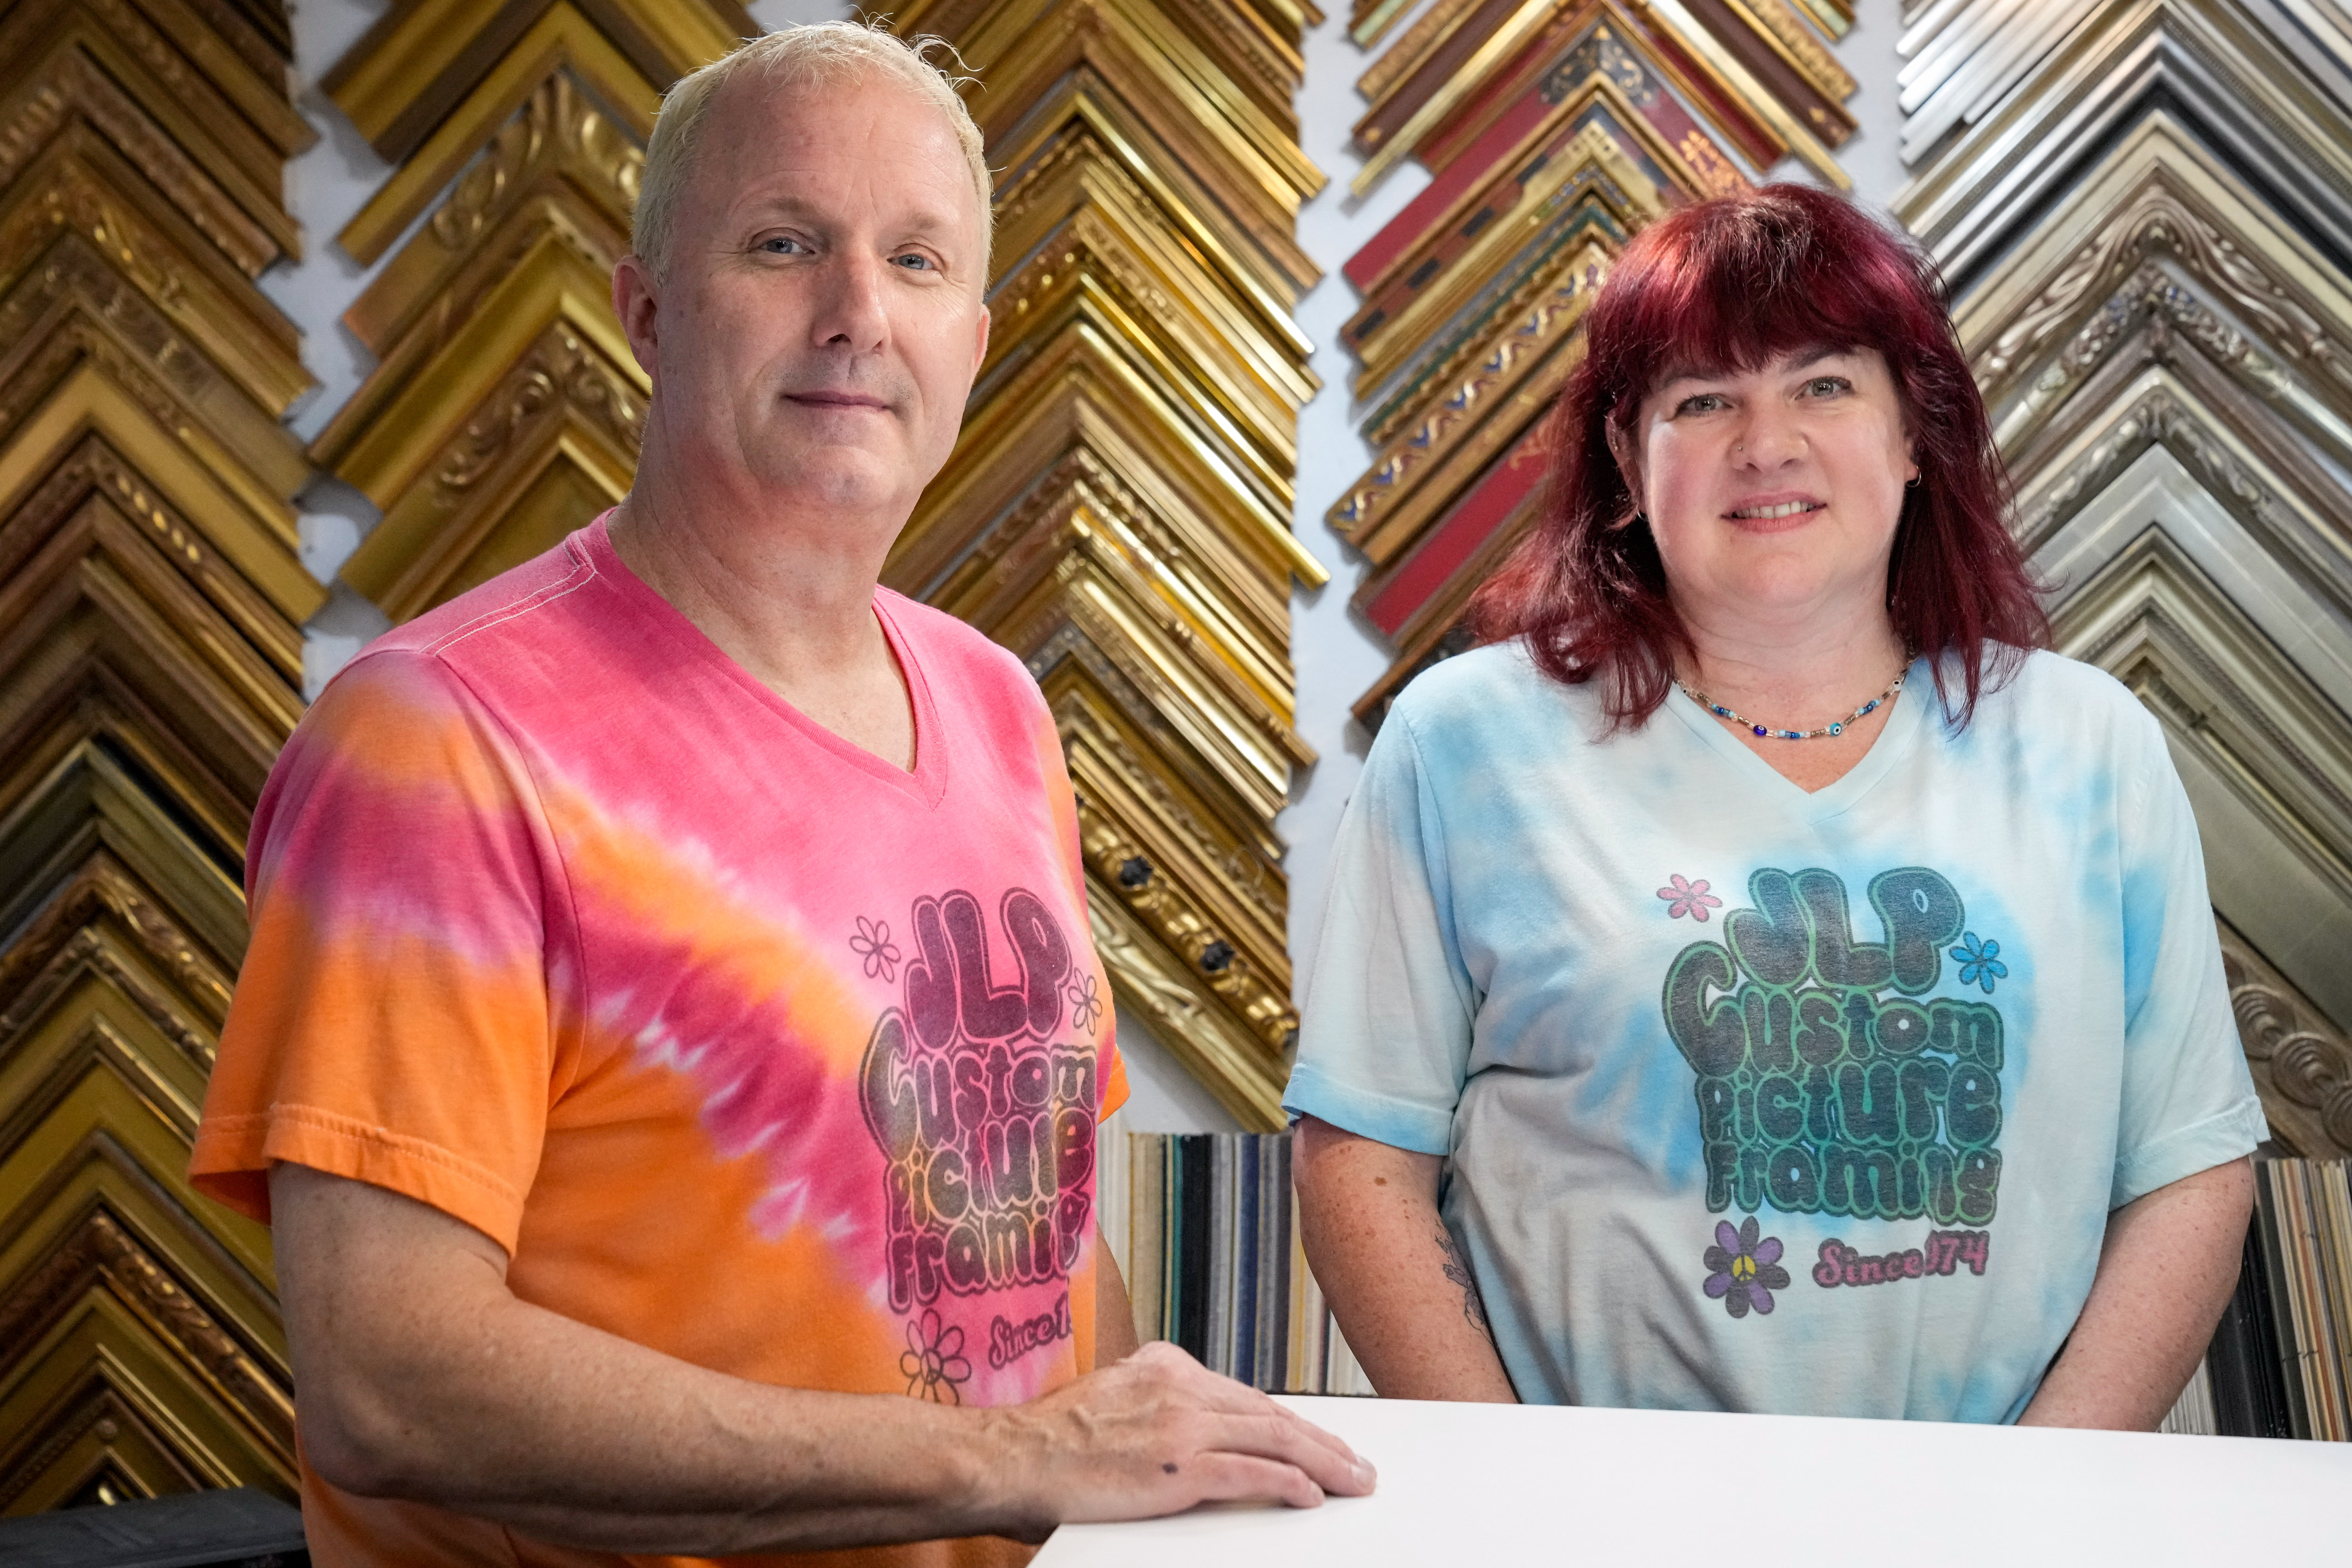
(927, 781)
(1900, 735)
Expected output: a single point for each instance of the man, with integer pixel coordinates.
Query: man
(670, 1038)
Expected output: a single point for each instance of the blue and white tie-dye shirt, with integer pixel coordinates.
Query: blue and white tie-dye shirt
(1757, 1100)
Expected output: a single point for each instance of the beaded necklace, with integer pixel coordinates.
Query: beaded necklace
(1835, 727)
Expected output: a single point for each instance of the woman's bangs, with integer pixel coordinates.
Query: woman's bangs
(1730, 307)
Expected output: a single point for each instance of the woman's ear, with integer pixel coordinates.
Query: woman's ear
(1624, 450)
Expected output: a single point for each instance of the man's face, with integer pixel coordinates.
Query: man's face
(821, 323)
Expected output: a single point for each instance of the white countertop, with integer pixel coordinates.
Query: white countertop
(1506, 1484)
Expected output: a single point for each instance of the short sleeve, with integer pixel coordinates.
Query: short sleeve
(391, 1023)
(2188, 1103)
(1053, 767)
(1387, 1005)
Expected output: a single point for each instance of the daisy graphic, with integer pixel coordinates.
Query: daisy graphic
(1980, 962)
(872, 943)
(1684, 897)
(934, 1362)
(1086, 1006)
(1744, 1269)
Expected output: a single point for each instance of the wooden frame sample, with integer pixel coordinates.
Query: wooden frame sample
(1555, 132)
(1118, 510)
(2148, 206)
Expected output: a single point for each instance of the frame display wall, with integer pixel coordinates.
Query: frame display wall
(1118, 510)
(150, 660)
(1552, 129)
(2145, 209)
(2145, 214)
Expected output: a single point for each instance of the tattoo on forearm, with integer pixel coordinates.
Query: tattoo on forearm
(1458, 1271)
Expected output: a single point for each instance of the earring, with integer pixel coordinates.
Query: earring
(1912, 483)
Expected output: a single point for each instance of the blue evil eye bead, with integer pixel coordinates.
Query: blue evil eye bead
(1837, 729)
(1761, 730)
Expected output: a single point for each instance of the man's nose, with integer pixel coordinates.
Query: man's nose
(850, 311)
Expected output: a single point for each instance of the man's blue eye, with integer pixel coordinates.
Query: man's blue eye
(911, 262)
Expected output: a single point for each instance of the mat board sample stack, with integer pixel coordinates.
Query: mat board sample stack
(1210, 1250)
(2303, 1219)
(2280, 1365)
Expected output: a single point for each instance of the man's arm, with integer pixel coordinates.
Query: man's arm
(423, 1377)
(2166, 1270)
(1401, 1290)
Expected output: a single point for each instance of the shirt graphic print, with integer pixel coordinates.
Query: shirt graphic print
(1828, 1080)
(985, 1112)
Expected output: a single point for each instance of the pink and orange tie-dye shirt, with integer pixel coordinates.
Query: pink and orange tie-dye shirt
(745, 1044)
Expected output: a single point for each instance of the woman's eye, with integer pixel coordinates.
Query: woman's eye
(1828, 385)
(1703, 403)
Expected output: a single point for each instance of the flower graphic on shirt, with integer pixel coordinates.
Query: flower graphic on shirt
(1980, 962)
(872, 944)
(934, 1361)
(1684, 897)
(1085, 1006)
(1744, 1270)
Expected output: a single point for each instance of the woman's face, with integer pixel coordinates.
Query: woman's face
(1773, 493)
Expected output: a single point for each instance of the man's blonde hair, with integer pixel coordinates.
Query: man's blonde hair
(816, 52)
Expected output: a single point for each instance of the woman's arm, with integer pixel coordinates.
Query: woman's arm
(1401, 1289)
(1115, 1337)
(2166, 1270)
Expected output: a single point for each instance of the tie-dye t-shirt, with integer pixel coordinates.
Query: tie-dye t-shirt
(1762, 1100)
(745, 1044)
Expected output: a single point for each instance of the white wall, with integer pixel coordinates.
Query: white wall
(1337, 654)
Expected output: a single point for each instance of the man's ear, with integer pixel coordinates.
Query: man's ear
(636, 302)
(980, 342)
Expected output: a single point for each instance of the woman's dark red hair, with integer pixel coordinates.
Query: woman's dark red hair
(1732, 284)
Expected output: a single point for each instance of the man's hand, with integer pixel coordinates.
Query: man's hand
(1156, 1434)
(423, 1377)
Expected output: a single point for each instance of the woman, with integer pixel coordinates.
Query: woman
(1757, 980)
